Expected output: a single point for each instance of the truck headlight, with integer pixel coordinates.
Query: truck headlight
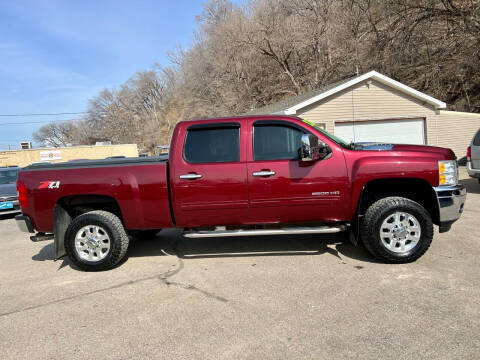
(447, 172)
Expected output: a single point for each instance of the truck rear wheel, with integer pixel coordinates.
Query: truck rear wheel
(96, 241)
(397, 230)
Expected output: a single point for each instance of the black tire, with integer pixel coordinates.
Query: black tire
(117, 235)
(144, 235)
(381, 210)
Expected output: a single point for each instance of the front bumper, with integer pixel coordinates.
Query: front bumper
(451, 201)
(24, 223)
(475, 173)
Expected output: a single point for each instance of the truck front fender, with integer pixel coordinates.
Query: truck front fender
(384, 168)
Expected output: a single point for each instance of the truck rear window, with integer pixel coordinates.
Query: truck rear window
(207, 145)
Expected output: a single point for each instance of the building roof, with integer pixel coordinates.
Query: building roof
(290, 106)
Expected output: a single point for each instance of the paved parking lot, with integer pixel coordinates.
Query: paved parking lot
(313, 297)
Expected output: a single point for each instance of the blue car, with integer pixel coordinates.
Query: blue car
(8, 190)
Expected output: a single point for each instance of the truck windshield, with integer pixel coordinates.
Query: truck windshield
(8, 176)
(334, 138)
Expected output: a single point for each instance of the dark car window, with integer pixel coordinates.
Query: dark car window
(476, 139)
(212, 145)
(276, 142)
(8, 176)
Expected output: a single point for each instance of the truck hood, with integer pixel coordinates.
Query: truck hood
(439, 151)
(8, 190)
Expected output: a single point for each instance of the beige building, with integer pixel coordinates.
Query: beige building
(374, 107)
(25, 157)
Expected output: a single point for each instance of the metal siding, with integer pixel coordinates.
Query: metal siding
(453, 130)
(365, 101)
(376, 101)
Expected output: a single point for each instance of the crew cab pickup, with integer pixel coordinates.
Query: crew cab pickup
(246, 176)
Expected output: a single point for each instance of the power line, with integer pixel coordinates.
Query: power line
(45, 114)
(36, 122)
(11, 141)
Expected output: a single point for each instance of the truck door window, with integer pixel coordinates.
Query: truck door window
(210, 145)
(276, 142)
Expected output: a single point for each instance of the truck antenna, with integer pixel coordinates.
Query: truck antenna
(353, 118)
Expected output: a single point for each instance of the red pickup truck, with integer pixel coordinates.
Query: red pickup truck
(245, 176)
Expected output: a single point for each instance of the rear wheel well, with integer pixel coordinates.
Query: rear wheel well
(76, 205)
(418, 190)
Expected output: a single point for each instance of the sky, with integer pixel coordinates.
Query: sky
(56, 55)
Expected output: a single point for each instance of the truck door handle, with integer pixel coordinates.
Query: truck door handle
(190, 176)
(264, 173)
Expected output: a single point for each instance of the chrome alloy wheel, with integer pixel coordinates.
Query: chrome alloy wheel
(92, 243)
(400, 232)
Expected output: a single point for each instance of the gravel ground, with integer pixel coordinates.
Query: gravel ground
(290, 297)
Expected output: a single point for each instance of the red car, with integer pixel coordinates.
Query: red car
(244, 176)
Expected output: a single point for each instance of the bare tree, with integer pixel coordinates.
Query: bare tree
(263, 51)
(55, 134)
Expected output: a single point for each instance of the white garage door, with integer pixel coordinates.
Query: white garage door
(408, 131)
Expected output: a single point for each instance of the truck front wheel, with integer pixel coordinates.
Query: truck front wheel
(96, 241)
(397, 230)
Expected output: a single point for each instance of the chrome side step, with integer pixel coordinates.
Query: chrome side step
(255, 232)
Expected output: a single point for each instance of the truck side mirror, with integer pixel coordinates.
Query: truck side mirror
(312, 148)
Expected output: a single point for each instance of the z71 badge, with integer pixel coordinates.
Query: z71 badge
(49, 185)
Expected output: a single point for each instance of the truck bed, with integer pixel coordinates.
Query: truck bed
(137, 186)
(98, 163)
